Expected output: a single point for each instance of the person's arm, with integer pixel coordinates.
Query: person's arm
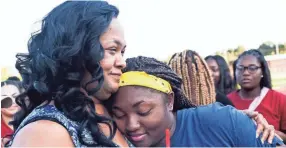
(43, 133)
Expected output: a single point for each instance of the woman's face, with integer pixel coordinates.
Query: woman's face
(8, 105)
(248, 72)
(114, 46)
(214, 70)
(143, 115)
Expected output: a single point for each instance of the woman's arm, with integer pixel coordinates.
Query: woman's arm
(43, 133)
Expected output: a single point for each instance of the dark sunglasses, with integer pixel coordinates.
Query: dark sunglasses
(6, 102)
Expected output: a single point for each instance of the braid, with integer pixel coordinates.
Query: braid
(197, 81)
(202, 83)
(161, 70)
(208, 81)
(177, 63)
(198, 87)
(181, 73)
(185, 77)
(206, 89)
(194, 84)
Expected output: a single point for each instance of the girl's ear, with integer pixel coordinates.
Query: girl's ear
(170, 103)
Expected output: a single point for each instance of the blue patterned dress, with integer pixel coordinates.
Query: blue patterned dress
(50, 112)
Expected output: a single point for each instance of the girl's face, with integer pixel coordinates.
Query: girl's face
(143, 115)
(248, 72)
(214, 69)
(8, 95)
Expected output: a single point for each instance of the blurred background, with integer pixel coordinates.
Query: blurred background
(159, 28)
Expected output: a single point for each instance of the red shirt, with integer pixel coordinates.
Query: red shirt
(272, 107)
(5, 129)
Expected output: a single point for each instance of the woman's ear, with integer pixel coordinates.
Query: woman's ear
(170, 103)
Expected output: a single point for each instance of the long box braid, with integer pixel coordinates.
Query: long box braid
(198, 84)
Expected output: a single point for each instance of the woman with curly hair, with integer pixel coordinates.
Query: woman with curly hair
(74, 63)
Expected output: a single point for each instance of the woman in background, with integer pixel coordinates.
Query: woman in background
(220, 73)
(256, 94)
(9, 91)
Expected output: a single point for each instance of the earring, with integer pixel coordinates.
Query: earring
(261, 76)
(171, 107)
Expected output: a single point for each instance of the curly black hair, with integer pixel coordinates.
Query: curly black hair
(66, 46)
(159, 69)
(266, 80)
(225, 84)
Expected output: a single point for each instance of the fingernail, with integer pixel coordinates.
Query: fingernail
(256, 135)
(262, 141)
(270, 141)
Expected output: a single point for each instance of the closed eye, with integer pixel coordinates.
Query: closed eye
(118, 116)
(145, 113)
(118, 113)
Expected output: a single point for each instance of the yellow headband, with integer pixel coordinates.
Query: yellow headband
(143, 79)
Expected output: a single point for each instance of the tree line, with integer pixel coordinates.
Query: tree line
(266, 48)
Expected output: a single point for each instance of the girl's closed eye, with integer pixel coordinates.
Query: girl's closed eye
(145, 113)
(144, 109)
(118, 114)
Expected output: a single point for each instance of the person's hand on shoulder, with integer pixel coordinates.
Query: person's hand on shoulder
(267, 131)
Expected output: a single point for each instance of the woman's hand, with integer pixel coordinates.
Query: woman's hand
(4, 141)
(262, 126)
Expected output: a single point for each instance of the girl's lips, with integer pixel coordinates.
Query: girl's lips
(137, 138)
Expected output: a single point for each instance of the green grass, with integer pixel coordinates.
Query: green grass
(276, 82)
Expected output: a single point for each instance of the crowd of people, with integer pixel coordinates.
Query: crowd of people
(77, 87)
